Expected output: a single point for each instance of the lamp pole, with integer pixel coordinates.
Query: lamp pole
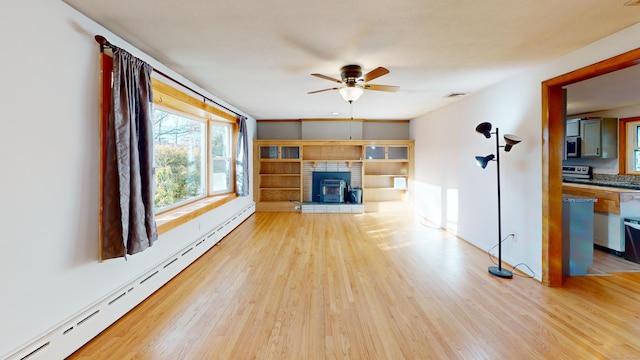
(498, 270)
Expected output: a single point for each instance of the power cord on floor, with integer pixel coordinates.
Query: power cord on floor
(513, 270)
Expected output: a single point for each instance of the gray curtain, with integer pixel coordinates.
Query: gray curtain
(242, 161)
(128, 224)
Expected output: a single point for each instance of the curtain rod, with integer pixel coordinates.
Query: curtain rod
(105, 43)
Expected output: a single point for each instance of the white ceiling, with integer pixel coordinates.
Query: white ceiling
(258, 55)
(610, 91)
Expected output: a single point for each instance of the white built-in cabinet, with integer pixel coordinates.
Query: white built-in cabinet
(283, 169)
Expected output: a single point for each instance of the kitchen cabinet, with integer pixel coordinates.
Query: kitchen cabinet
(599, 138)
(572, 128)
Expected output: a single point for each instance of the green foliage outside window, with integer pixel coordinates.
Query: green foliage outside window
(174, 181)
(178, 151)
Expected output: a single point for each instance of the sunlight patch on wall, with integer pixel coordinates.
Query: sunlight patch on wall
(452, 211)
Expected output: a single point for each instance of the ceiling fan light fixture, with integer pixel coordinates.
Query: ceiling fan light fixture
(353, 83)
(351, 93)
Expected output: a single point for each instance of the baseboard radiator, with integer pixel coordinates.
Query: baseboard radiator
(72, 334)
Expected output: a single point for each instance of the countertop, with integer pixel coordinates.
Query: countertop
(587, 184)
(577, 199)
(602, 183)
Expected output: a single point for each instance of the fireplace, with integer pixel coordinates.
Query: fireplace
(332, 190)
(330, 186)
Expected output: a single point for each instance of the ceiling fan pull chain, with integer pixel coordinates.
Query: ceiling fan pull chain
(351, 109)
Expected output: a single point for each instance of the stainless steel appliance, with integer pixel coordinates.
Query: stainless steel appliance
(576, 172)
(632, 239)
(573, 147)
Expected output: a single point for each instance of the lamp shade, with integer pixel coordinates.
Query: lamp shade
(482, 161)
(510, 140)
(484, 129)
(351, 93)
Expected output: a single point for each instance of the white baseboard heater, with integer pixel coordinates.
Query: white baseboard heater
(72, 334)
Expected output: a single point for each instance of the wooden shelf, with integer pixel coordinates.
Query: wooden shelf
(386, 175)
(332, 152)
(279, 188)
(283, 194)
(383, 167)
(276, 175)
(385, 188)
(280, 180)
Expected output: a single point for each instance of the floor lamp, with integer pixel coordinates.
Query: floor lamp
(482, 161)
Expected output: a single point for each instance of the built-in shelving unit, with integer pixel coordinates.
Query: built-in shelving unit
(283, 168)
(279, 175)
(386, 172)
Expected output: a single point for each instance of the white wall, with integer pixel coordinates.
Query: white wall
(49, 144)
(456, 194)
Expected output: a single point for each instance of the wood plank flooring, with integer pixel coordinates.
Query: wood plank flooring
(605, 263)
(368, 286)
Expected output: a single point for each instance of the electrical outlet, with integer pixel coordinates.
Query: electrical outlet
(297, 207)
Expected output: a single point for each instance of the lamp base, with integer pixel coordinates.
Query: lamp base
(495, 271)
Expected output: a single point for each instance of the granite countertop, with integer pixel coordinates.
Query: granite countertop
(577, 199)
(614, 181)
(590, 185)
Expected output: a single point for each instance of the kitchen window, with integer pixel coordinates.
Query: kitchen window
(630, 163)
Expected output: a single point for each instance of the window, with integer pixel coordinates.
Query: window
(193, 149)
(221, 171)
(179, 159)
(633, 147)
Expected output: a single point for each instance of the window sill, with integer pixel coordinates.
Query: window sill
(173, 218)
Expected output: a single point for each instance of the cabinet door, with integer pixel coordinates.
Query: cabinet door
(290, 152)
(591, 146)
(573, 127)
(374, 152)
(268, 152)
(398, 152)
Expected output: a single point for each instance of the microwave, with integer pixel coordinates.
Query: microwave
(574, 143)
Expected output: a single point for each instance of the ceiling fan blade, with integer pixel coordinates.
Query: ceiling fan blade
(388, 88)
(327, 78)
(317, 91)
(375, 73)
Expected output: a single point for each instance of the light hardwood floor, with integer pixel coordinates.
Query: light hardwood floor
(370, 286)
(605, 263)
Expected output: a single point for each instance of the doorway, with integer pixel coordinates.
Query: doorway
(552, 151)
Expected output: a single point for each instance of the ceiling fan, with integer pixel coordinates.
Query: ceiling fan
(353, 83)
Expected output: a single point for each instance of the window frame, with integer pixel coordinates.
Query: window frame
(171, 99)
(231, 155)
(626, 147)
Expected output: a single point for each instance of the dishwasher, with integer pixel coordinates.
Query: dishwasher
(632, 239)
